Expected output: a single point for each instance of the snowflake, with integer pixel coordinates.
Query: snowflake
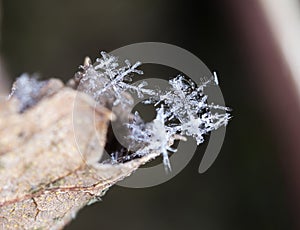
(182, 109)
(106, 79)
(187, 105)
(155, 136)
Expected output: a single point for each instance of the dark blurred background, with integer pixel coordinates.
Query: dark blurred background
(247, 186)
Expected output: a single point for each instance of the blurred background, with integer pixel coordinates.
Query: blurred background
(253, 45)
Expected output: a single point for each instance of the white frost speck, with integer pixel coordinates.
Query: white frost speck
(26, 89)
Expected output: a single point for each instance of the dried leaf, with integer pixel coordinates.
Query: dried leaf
(44, 178)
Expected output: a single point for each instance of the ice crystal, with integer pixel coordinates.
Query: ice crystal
(186, 113)
(154, 136)
(27, 90)
(187, 108)
(187, 103)
(107, 79)
(182, 109)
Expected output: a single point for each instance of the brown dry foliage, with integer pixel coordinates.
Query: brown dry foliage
(44, 179)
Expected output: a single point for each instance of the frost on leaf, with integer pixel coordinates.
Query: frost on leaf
(182, 109)
(154, 136)
(27, 90)
(106, 80)
(186, 105)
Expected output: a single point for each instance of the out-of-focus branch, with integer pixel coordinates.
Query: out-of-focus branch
(284, 21)
(269, 32)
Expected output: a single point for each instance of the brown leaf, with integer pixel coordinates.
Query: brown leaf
(49, 159)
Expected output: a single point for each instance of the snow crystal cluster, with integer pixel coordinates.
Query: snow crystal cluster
(153, 136)
(182, 109)
(187, 108)
(27, 90)
(107, 79)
